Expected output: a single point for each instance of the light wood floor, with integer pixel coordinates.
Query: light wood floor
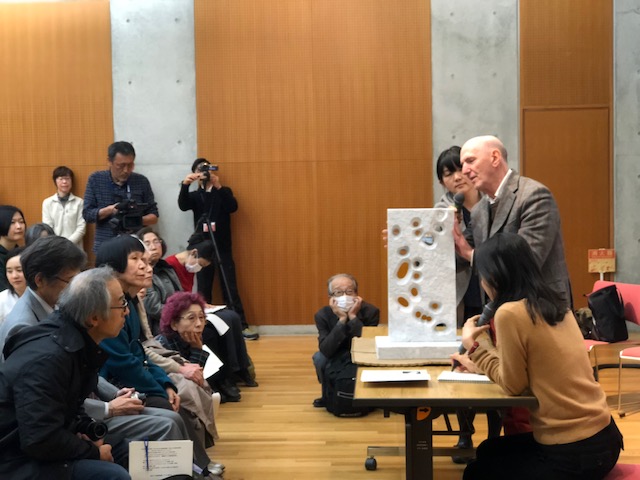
(275, 433)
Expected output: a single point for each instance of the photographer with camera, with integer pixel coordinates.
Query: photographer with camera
(118, 200)
(49, 370)
(212, 206)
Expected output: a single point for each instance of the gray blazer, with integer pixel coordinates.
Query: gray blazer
(26, 312)
(527, 207)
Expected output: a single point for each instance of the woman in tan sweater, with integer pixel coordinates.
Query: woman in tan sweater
(539, 350)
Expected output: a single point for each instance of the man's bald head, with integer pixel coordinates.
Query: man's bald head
(484, 161)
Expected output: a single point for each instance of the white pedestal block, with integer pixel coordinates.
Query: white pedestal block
(387, 349)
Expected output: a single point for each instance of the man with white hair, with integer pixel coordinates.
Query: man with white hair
(512, 203)
(338, 322)
(49, 370)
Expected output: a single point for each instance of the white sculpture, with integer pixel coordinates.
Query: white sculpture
(421, 284)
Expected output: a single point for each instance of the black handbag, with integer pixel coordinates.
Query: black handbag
(609, 324)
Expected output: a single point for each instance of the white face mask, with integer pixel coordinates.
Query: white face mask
(345, 302)
(193, 268)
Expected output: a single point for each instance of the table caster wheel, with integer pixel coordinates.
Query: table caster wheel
(370, 463)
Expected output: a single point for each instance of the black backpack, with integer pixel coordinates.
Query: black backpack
(609, 324)
(340, 383)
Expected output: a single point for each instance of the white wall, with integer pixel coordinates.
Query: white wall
(154, 105)
(474, 48)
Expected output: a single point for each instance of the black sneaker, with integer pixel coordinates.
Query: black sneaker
(319, 403)
(463, 443)
(243, 377)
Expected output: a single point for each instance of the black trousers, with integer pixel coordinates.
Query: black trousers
(205, 284)
(230, 347)
(520, 456)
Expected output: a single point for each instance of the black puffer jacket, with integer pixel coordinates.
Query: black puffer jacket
(49, 370)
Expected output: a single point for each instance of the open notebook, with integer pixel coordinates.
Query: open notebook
(447, 376)
(404, 375)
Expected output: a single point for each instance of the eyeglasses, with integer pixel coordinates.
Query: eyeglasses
(62, 279)
(192, 318)
(338, 293)
(148, 243)
(124, 305)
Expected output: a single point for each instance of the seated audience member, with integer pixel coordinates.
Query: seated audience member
(339, 322)
(49, 369)
(48, 265)
(195, 394)
(63, 211)
(12, 227)
(17, 283)
(183, 335)
(165, 280)
(230, 347)
(539, 350)
(128, 364)
(36, 231)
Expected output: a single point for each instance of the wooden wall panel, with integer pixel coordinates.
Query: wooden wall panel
(565, 52)
(55, 97)
(566, 102)
(319, 113)
(568, 151)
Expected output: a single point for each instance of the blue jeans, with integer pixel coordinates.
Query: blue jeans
(97, 470)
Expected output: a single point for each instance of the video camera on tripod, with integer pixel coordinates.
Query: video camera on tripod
(129, 216)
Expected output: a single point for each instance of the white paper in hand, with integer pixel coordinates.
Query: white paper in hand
(213, 363)
(217, 322)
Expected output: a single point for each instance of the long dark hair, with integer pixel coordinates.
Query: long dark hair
(506, 264)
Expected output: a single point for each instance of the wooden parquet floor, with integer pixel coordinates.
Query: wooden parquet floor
(275, 433)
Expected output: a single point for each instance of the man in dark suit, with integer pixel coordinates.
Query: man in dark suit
(48, 264)
(515, 204)
(339, 322)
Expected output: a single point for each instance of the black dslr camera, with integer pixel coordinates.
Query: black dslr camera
(205, 169)
(93, 429)
(129, 216)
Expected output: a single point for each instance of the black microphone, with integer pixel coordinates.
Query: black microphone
(485, 317)
(458, 202)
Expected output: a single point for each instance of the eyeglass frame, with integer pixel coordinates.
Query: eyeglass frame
(123, 307)
(348, 291)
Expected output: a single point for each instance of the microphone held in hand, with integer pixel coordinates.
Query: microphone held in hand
(485, 317)
(458, 202)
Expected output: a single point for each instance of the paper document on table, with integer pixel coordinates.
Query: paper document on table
(158, 460)
(448, 376)
(217, 322)
(404, 375)
(213, 363)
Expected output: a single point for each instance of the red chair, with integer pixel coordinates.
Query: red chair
(631, 298)
(624, 472)
(630, 354)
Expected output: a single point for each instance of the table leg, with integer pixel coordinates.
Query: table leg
(419, 443)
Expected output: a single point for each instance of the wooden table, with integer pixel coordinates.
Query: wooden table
(422, 402)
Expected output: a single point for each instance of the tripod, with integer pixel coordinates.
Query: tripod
(206, 217)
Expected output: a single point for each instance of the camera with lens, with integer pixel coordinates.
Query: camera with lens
(128, 217)
(139, 395)
(205, 169)
(93, 429)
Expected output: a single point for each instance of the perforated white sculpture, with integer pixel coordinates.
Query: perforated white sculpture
(422, 287)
